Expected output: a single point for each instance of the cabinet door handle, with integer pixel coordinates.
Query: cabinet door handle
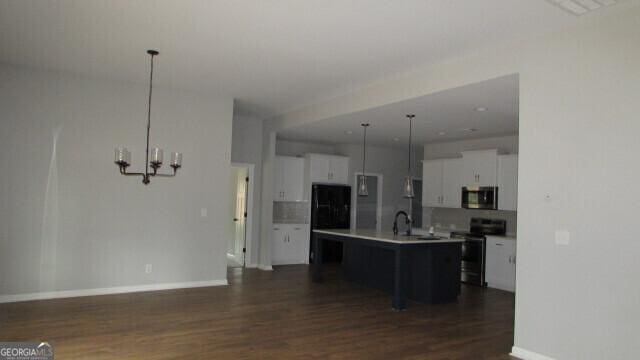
(498, 244)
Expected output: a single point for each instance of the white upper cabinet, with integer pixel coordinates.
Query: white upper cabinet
(339, 170)
(288, 179)
(508, 182)
(480, 168)
(451, 185)
(328, 169)
(432, 183)
(441, 183)
(318, 168)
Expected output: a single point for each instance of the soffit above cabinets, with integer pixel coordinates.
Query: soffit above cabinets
(485, 109)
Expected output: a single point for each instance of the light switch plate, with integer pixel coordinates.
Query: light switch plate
(203, 212)
(563, 237)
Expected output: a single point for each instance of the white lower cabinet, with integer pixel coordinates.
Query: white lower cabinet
(500, 268)
(288, 244)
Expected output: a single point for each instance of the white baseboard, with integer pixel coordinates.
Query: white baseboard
(251, 266)
(265, 267)
(110, 290)
(523, 354)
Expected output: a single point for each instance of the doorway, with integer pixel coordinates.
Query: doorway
(367, 210)
(239, 226)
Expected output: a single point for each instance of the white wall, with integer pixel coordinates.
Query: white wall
(452, 149)
(246, 147)
(392, 164)
(578, 149)
(69, 220)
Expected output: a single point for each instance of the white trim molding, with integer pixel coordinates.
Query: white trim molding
(265, 267)
(523, 354)
(109, 290)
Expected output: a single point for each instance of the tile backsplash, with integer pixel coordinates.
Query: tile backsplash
(459, 219)
(285, 212)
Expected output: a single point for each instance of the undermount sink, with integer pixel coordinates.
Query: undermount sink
(431, 237)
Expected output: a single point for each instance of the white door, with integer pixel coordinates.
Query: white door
(339, 170)
(293, 179)
(451, 185)
(432, 183)
(278, 177)
(319, 168)
(508, 182)
(236, 244)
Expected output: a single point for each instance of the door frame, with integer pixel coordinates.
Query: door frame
(354, 199)
(249, 208)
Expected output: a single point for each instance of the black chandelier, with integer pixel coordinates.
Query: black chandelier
(123, 156)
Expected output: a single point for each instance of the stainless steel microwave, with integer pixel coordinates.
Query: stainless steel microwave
(480, 197)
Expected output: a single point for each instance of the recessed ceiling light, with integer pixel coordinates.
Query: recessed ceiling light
(481, 109)
(442, 133)
(396, 139)
(348, 132)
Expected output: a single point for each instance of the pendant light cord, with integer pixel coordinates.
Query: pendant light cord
(410, 130)
(149, 115)
(364, 148)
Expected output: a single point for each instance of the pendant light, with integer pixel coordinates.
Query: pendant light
(363, 190)
(123, 156)
(407, 186)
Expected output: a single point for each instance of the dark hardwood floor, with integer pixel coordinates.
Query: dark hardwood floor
(263, 315)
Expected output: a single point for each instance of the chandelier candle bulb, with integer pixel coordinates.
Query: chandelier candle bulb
(122, 156)
(176, 159)
(127, 156)
(119, 156)
(156, 156)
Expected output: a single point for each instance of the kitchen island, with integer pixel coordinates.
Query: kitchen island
(408, 267)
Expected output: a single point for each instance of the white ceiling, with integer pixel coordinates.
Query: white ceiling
(270, 55)
(453, 112)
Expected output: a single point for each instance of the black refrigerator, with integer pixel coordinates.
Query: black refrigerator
(330, 209)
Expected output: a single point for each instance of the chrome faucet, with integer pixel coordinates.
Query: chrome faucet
(408, 222)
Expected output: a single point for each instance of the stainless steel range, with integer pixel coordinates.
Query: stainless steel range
(474, 248)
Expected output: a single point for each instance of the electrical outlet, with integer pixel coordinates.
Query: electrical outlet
(148, 268)
(203, 212)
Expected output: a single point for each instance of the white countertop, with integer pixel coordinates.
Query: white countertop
(505, 237)
(386, 236)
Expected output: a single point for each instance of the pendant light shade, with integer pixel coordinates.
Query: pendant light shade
(407, 185)
(363, 189)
